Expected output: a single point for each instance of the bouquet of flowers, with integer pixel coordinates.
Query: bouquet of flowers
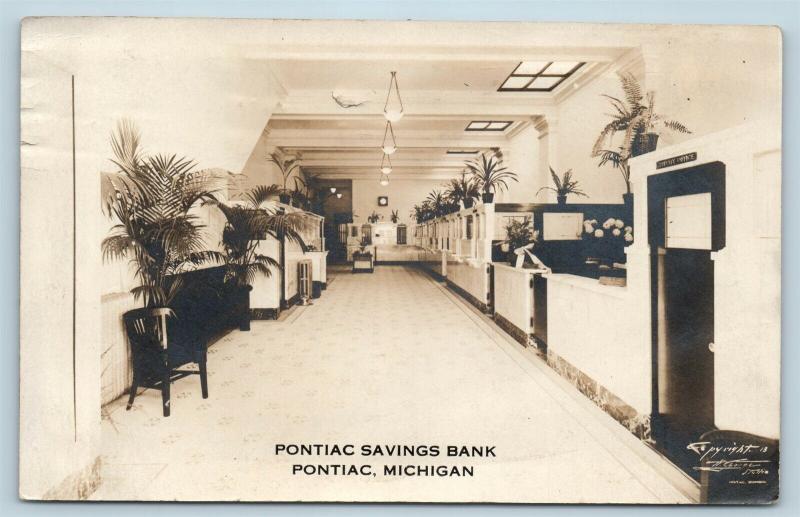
(611, 228)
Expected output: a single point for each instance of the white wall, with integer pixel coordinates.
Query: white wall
(604, 332)
(580, 119)
(708, 83)
(59, 391)
(208, 109)
(260, 170)
(521, 156)
(403, 195)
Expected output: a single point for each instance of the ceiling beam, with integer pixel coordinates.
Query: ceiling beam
(315, 143)
(434, 103)
(431, 176)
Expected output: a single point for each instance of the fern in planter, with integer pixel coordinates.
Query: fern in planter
(151, 200)
(636, 119)
(563, 186)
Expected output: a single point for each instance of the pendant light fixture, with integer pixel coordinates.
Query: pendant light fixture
(393, 111)
(386, 164)
(338, 195)
(384, 181)
(333, 190)
(389, 146)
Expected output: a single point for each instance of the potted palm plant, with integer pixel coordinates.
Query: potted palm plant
(462, 190)
(437, 203)
(315, 193)
(247, 223)
(395, 217)
(151, 199)
(417, 213)
(427, 210)
(489, 174)
(286, 166)
(300, 195)
(636, 119)
(563, 186)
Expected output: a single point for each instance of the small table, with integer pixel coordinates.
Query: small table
(363, 262)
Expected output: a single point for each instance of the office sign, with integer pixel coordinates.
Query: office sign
(676, 160)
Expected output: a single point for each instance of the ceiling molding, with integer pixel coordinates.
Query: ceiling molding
(518, 128)
(470, 104)
(313, 143)
(579, 80)
(427, 176)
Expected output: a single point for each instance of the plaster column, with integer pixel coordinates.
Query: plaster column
(547, 127)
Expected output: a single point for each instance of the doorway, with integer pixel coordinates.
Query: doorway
(686, 223)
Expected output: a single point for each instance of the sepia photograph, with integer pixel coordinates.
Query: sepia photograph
(273, 260)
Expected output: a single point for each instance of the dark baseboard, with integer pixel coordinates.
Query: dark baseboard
(285, 304)
(471, 299)
(436, 276)
(264, 314)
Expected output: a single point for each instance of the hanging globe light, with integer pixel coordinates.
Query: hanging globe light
(389, 146)
(394, 111)
(393, 115)
(384, 181)
(333, 190)
(386, 168)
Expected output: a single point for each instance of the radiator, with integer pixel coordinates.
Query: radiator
(304, 281)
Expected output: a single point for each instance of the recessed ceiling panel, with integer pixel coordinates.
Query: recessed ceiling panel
(531, 67)
(538, 76)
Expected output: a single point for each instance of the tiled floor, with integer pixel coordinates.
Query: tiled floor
(386, 358)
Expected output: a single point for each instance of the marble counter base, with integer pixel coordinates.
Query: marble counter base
(519, 335)
(636, 423)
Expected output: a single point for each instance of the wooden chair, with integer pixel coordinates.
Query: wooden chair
(157, 357)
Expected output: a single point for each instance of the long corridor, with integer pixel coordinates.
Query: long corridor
(386, 358)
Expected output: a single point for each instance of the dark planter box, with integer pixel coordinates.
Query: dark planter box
(644, 144)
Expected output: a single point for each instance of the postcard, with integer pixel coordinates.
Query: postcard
(368, 261)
